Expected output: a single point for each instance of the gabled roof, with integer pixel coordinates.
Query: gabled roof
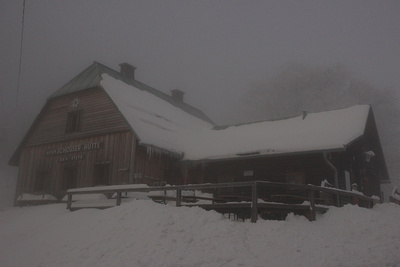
(159, 121)
(92, 76)
(162, 125)
(155, 121)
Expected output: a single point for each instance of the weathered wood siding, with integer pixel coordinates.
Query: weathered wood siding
(274, 169)
(51, 154)
(105, 143)
(114, 149)
(104, 138)
(156, 166)
(99, 116)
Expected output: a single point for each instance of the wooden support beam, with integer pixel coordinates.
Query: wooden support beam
(119, 198)
(178, 197)
(69, 202)
(311, 194)
(254, 208)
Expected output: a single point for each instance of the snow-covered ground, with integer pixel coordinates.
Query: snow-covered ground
(143, 233)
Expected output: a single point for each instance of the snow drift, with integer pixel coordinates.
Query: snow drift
(143, 233)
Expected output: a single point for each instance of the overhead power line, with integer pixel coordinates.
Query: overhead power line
(20, 49)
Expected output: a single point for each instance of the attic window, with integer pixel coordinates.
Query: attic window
(74, 121)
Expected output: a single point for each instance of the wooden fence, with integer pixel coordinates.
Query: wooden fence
(252, 198)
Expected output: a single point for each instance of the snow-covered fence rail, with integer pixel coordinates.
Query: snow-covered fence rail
(255, 201)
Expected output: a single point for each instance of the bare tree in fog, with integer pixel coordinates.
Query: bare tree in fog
(298, 88)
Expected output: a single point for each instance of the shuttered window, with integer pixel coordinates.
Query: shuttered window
(74, 121)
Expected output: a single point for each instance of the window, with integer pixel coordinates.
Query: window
(74, 121)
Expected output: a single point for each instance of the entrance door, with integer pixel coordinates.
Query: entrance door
(69, 177)
(41, 182)
(101, 174)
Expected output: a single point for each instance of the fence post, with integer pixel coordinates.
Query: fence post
(119, 198)
(311, 195)
(339, 200)
(178, 197)
(254, 208)
(69, 202)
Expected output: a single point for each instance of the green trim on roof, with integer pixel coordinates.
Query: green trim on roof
(88, 78)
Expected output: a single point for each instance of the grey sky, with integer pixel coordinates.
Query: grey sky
(213, 50)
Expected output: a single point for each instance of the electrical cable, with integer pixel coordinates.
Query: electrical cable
(20, 50)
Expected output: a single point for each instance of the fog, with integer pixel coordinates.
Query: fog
(215, 51)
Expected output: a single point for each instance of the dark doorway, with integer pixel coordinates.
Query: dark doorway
(69, 177)
(41, 182)
(101, 174)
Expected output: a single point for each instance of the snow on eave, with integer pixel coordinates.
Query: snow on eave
(151, 149)
(322, 131)
(259, 154)
(123, 117)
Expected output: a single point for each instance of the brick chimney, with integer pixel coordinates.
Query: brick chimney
(177, 95)
(127, 70)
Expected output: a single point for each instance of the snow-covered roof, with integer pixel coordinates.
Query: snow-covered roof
(155, 121)
(329, 130)
(158, 123)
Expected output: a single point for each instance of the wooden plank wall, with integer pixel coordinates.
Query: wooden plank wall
(99, 116)
(272, 169)
(114, 148)
(102, 125)
(50, 149)
(155, 167)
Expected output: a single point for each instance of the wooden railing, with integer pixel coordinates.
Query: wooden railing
(257, 194)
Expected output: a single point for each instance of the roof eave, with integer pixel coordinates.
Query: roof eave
(163, 150)
(317, 151)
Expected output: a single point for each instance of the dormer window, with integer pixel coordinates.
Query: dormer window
(74, 121)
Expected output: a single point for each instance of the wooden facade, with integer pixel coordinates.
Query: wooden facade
(102, 149)
(81, 138)
(295, 169)
(354, 165)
